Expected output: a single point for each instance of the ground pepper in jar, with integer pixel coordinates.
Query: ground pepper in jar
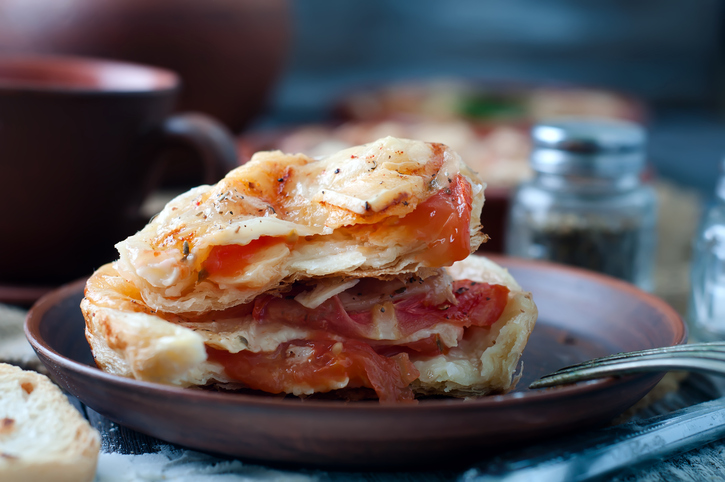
(586, 205)
(611, 250)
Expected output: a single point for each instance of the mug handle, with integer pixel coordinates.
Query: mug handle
(212, 143)
(208, 138)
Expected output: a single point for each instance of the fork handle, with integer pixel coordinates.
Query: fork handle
(631, 366)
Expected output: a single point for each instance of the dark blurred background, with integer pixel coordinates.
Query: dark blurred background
(265, 63)
(667, 52)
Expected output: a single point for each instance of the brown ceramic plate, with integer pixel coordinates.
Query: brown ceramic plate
(582, 315)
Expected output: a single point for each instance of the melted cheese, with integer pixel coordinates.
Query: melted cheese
(235, 335)
(324, 290)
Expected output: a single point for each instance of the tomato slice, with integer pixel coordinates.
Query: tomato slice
(321, 365)
(444, 221)
(478, 304)
(232, 259)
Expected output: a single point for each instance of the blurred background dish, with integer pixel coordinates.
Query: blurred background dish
(487, 124)
(483, 103)
(227, 52)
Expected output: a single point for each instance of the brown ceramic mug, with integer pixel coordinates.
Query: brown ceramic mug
(80, 144)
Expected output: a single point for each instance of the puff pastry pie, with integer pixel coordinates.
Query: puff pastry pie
(300, 275)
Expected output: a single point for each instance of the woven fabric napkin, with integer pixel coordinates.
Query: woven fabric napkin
(14, 347)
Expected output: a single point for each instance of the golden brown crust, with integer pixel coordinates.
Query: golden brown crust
(143, 346)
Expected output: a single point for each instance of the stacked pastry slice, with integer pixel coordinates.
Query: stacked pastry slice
(300, 275)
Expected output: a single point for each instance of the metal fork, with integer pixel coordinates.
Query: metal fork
(695, 357)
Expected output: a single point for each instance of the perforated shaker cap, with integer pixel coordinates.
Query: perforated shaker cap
(589, 147)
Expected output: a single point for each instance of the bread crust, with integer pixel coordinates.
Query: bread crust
(42, 436)
(129, 340)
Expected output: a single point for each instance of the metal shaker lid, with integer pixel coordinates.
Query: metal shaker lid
(588, 147)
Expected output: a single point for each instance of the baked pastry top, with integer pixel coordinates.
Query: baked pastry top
(380, 209)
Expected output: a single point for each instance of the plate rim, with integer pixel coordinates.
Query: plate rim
(35, 314)
(24, 294)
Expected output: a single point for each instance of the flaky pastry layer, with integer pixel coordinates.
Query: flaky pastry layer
(129, 339)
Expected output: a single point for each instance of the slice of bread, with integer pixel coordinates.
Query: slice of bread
(42, 436)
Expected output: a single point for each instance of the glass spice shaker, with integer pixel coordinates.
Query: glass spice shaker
(706, 308)
(586, 205)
